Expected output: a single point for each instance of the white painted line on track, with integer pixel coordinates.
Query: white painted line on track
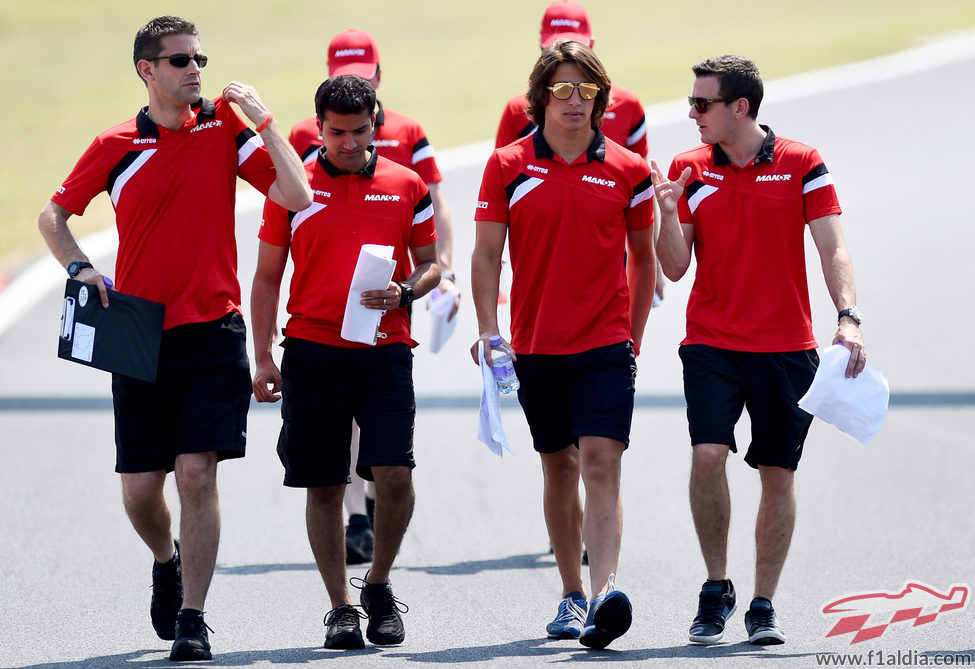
(22, 293)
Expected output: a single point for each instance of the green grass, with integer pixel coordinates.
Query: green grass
(67, 73)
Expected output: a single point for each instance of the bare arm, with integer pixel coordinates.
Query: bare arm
(290, 188)
(445, 242)
(486, 279)
(675, 240)
(53, 226)
(271, 261)
(641, 273)
(838, 272)
(423, 279)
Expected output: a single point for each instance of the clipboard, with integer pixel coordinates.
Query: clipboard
(123, 339)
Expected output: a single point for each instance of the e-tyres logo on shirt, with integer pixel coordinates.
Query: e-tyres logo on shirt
(381, 198)
(598, 181)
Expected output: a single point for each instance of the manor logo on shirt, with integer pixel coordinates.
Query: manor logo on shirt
(385, 142)
(208, 124)
(598, 182)
(712, 175)
(536, 168)
(381, 198)
(773, 177)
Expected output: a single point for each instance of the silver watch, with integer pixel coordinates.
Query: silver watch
(853, 313)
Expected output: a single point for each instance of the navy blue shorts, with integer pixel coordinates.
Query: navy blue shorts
(198, 403)
(719, 383)
(587, 394)
(324, 388)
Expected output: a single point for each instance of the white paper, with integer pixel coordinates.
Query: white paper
(373, 271)
(83, 344)
(856, 407)
(489, 428)
(441, 304)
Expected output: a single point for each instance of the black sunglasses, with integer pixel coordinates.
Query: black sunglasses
(702, 104)
(181, 60)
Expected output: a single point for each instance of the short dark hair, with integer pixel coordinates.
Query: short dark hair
(344, 94)
(738, 77)
(148, 41)
(566, 51)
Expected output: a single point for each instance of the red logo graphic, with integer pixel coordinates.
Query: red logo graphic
(916, 601)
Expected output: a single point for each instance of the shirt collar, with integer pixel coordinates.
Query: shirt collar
(205, 109)
(369, 170)
(596, 150)
(380, 114)
(764, 155)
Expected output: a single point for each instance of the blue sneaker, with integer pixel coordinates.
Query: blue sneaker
(762, 625)
(610, 615)
(570, 619)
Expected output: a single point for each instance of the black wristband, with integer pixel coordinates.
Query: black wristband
(406, 294)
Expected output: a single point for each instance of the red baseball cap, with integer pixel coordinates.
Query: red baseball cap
(353, 52)
(565, 19)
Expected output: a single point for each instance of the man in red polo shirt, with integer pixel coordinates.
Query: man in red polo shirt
(327, 381)
(740, 204)
(570, 203)
(401, 139)
(171, 174)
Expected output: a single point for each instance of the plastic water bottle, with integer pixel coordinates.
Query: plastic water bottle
(504, 370)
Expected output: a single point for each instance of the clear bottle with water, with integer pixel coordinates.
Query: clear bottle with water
(504, 370)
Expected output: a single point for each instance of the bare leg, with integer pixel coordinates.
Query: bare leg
(394, 509)
(563, 515)
(711, 506)
(145, 504)
(326, 534)
(773, 527)
(199, 524)
(602, 524)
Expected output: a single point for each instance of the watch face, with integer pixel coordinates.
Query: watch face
(73, 269)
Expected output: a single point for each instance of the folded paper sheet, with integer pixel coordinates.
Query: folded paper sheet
(441, 304)
(373, 271)
(856, 407)
(489, 428)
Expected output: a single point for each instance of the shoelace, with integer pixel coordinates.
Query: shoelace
(346, 610)
(193, 623)
(762, 617)
(711, 608)
(388, 597)
(569, 611)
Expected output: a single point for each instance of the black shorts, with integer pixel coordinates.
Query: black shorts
(587, 394)
(197, 404)
(718, 383)
(325, 388)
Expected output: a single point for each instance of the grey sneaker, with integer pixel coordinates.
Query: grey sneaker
(167, 596)
(570, 619)
(717, 603)
(385, 623)
(761, 624)
(342, 628)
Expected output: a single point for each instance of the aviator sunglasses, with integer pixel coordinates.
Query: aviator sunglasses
(181, 60)
(562, 90)
(702, 104)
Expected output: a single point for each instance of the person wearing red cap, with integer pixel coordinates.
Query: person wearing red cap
(569, 203)
(401, 139)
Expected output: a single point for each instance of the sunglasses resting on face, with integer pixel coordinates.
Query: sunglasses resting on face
(562, 90)
(702, 104)
(181, 60)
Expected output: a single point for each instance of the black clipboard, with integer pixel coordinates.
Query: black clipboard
(124, 338)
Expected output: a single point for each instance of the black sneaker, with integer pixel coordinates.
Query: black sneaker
(385, 624)
(192, 642)
(358, 540)
(763, 629)
(167, 596)
(342, 628)
(717, 604)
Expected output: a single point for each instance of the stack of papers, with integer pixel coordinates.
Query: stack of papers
(373, 271)
(441, 304)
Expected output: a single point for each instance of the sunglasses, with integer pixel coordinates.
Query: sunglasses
(562, 90)
(181, 60)
(702, 104)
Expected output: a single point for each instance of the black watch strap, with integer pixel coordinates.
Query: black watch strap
(75, 267)
(406, 294)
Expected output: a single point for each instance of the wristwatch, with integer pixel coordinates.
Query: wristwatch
(406, 296)
(853, 313)
(75, 267)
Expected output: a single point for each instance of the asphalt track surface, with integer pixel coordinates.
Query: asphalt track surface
(474, 567)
